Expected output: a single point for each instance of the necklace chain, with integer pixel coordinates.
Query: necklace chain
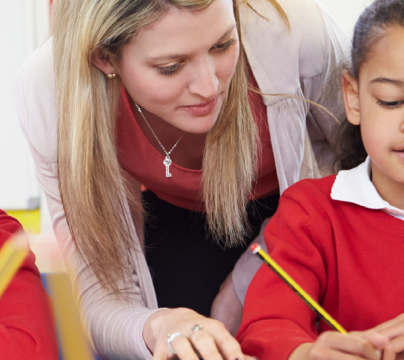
(154, 134)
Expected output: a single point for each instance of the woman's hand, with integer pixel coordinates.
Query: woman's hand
(332, 345)
(213, 341)
(227, 307)
(394, 331)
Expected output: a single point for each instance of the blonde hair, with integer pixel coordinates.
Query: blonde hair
(91, 183)
(278, 9)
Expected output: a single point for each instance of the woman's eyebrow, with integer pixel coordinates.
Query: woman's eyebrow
(227, 33)
(177, 56)
(382, 80)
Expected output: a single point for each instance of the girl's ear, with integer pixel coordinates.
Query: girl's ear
(103, 63)
(350, 90)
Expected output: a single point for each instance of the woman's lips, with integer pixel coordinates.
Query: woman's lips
(202, 109)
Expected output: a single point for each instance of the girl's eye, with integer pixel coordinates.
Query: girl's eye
(224, 46)
(169, 70)
(390, 104)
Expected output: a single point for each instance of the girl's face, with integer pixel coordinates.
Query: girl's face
(179, 69)
(377, 104)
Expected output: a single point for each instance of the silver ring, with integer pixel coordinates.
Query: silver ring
(171, 339)
(196, 328)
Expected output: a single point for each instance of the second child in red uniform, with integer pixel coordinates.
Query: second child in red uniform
(27, 324)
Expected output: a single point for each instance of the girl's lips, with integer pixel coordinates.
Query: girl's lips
(399, 153)
(202, 109)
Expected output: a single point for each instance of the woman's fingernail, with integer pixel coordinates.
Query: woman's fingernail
(379, 354)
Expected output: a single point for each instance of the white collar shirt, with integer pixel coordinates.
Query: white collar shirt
(355, 186)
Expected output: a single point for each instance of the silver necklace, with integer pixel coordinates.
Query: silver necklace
(167, 161)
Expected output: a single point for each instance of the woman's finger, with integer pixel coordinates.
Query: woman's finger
(205, 345)
(183, 349)
(162, 353)
(226, 344)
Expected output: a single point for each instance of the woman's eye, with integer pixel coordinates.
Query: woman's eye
(224, 46)
(390, 104)
(168, 70)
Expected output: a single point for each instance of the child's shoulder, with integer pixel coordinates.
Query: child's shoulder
(309, 188)
(8, 226)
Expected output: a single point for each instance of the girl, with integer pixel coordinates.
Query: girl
(155, 93)
(341, 237)
(27, 326)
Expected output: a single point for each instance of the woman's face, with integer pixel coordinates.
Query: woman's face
(180, 68)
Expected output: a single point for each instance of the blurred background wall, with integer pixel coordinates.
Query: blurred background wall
(24, 25)
(346, 12)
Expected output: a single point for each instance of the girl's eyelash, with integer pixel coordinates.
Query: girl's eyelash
(390, 104)
(172, 69)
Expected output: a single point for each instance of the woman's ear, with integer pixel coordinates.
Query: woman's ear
(350, 90)
(103, 62)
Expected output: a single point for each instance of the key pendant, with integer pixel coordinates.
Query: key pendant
(167, 162)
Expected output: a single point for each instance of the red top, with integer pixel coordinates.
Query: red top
(347, 257)
(139, 158)
(27, 326)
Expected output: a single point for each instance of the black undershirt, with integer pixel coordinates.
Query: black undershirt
(186, 265)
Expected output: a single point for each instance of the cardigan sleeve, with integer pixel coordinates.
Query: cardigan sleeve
(275, 320)
(27, 324)
(115, 328)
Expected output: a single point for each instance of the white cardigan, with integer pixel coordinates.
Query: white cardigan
(301, 62)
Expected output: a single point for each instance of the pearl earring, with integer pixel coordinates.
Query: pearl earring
(111, 76)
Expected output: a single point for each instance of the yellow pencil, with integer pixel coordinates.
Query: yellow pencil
(12, 255)
(322, 314)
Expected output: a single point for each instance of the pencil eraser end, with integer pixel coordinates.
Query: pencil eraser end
(255, 248)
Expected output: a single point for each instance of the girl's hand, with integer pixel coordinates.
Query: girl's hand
(332, 345)
(394, 331)
(213, 342)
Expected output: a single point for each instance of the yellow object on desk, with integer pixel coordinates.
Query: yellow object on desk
(29, 219)
(12, 255)
(72, 340)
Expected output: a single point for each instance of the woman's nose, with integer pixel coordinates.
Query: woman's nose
(204, 82)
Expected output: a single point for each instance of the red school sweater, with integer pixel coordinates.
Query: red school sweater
(347, 257)
(27, 326)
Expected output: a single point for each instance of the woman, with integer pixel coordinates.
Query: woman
(151, 93)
